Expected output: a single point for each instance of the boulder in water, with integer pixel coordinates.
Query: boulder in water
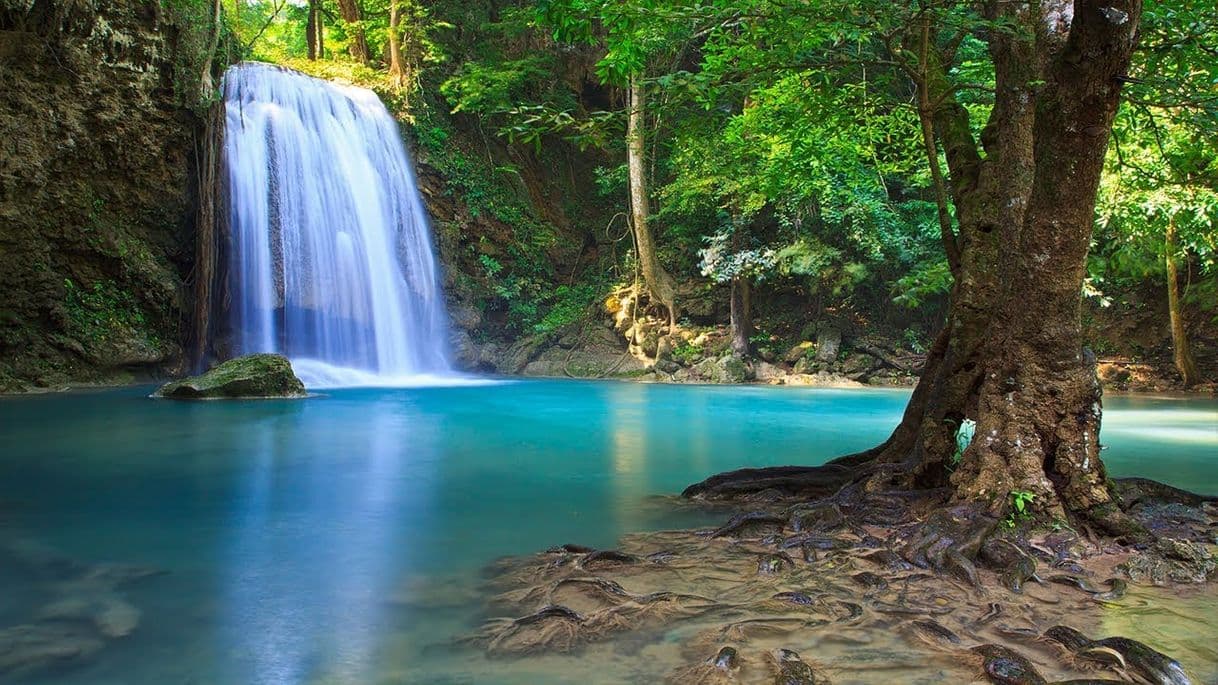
(252, 376)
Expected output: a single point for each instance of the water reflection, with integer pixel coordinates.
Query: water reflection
(317, 547)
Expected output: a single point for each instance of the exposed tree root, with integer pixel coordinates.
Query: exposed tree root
(972, 594)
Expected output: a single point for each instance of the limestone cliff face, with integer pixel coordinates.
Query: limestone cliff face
(97, 139)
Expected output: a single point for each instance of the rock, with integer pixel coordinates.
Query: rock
(729, 369)
(767, 354)
(595, 362)
(30, 648)
(252, 376)
(769, 373)
(113, 616)
(522, 352)
(828, 343)
(790, 669)
(95, 174)
(1172, 560)
(797, 352)
(806, 365)
(648, 342)
(465, 351)
(664, 348)
(735, 369)
(808, 332)
(668, 366)
(856, 363)
(1183, 550)
(822, 379)
(465, 317)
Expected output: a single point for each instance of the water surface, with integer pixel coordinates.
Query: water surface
(339, 539)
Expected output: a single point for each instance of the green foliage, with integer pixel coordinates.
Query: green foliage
(687, 353)
(782, 146)
(1021, 507)
(491, 87)
(98, 313)
(924, 281)
(194, 22)
(570, 305)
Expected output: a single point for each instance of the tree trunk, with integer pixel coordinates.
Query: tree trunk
(655, 278)
(1011, 354)
(351, 14)
(208, 215)
(742, 317)
(207, 85)
(1182, 351)
(314, 36)
(398, 75)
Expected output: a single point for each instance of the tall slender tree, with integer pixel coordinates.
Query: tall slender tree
(655, 277)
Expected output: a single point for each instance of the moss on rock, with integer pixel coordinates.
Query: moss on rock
(252, 376)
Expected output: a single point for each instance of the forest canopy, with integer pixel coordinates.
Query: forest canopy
(784, 148)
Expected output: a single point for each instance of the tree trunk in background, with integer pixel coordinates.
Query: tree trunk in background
(351, 14)
(208, 216)
(655, 278)
(742, 315)
(398, 74)
(313, 31)
(206, 84)
(1182, 351)
(1011, 354)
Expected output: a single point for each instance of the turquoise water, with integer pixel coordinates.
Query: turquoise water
(339, 539)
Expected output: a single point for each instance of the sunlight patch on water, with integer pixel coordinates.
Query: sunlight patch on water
(1193, 427)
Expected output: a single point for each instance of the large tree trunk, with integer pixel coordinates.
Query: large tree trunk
(655, 278)
(351, 14)
(1182, 351)
(1011, 355)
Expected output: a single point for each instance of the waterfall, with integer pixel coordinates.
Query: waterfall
(331, 260)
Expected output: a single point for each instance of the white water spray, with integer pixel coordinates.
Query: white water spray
(331, 258)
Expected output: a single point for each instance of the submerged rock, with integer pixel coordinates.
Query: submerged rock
(110, 614)
(252, 376)
(1171, 560)
(31, 648)
(1007, 667)
(790, 669)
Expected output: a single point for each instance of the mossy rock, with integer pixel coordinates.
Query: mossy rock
(252, 376)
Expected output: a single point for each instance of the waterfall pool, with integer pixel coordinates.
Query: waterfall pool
(341, 539)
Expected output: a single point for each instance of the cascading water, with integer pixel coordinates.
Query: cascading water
(331, 259)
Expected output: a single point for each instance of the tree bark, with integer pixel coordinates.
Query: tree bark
(398, 72)
(207, 85)
(1011, 353)
(655, 278)
(350, 11)
(314, 36)
(742, 316)
(1182, 351)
